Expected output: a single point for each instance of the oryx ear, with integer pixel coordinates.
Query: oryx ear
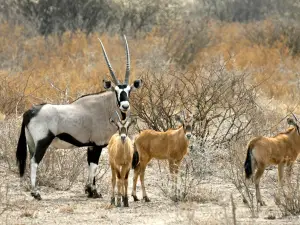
(111, 120)
(136, 84)
(107, 84)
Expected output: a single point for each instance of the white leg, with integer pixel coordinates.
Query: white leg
(92, 173)
(33, 171)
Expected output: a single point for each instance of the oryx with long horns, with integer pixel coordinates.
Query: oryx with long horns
(84, 122)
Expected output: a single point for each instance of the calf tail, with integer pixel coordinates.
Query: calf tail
(135, 158)
(21, 153)
(248, 163)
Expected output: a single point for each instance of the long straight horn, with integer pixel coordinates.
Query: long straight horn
(295, 117)
(118, 116)
(127, 62)
(108, 64)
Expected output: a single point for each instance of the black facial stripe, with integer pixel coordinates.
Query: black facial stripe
(122, 86)
(123, 96)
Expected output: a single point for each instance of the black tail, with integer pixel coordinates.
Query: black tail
(21, 153)
(248, 164)
(135, 158)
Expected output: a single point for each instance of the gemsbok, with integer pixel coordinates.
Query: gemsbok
(171, 145)
(280, 150)
(121, 159)
(84, 122)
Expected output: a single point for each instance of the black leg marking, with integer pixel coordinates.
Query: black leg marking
(93, 155)
(127, 174)
(42, 146)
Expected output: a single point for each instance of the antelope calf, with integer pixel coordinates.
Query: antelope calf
(121, 154)
(171, 145)
(280, 150)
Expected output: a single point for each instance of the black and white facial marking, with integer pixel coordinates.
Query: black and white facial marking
(123, 126)
(186, 119)
(123, 93)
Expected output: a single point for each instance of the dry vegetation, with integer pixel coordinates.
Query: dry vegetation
(238, 74)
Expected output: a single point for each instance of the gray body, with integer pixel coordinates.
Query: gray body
(86, 120)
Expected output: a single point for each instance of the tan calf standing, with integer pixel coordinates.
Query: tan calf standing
(121, 154)
(171, 145)
(280, 150)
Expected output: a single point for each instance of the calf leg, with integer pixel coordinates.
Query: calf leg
(135, 177)
(289, 170)
(93, 155)
(125, 195)
(280, 173)
(119, 185)
(258, 174)
(113, 185)
(142, 178)
(40, 150)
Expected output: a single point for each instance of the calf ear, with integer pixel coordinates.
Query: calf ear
(178, 118)
(133, 120)
(107, 84)
(136, 84)
(291, 121)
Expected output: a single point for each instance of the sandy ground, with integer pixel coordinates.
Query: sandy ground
(73, 207)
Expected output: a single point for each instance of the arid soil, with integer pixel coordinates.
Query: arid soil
(73, 207)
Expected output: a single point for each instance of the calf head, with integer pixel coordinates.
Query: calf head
(122, 90)
(123, 125)
(186, 119)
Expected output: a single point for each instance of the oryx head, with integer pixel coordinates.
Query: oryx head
(186, 119)
(123, 125)
(294, 122)
(122, 90)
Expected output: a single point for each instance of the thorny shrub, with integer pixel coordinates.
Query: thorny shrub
(288, 197)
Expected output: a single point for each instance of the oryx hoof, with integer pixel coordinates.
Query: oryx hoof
(125, 201)
(135, 198)
(92, 193)
(146, 199)
(36, 195)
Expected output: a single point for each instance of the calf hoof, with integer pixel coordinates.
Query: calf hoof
(118, 202)
(125, 201)
(135, 198)
(112, 201)
(37, 196)
(146, 199)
